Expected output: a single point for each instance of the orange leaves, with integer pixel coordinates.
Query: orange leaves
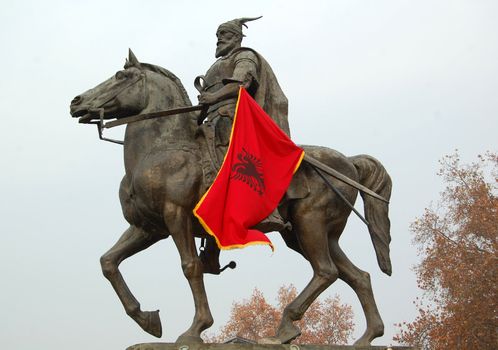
(326, 322)
(247, 315)
(458, 243)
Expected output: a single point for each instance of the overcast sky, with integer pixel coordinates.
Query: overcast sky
(404, 81)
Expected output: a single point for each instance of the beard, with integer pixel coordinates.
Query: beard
(223, 48)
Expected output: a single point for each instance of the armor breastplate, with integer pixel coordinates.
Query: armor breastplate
(221, 69)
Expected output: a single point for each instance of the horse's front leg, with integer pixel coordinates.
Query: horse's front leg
(180, 227)
(131, 242)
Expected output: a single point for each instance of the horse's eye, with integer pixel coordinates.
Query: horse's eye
(120, 75)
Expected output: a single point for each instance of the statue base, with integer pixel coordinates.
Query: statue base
(212, 346)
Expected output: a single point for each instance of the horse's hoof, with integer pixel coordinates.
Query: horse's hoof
(288, 333)
(285, 335)
(269, 340)
(189, 339)
(365, 340)
(153, 323)
(361, 343)
(370, 334)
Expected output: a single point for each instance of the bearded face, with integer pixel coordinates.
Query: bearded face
(227, 42)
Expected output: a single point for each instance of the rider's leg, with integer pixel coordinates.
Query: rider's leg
(274, 222)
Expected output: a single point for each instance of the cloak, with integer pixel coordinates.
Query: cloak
(269, 94)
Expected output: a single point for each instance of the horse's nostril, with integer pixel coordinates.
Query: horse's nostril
(76, 100)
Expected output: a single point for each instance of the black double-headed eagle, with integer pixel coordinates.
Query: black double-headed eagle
(249, 170)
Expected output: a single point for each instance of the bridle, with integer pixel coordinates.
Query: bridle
(100, 110)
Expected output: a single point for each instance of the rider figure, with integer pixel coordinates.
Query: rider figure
(236, 66)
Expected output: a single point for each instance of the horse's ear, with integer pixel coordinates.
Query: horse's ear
(132, 60)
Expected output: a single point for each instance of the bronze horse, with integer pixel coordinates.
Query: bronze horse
(164, 180)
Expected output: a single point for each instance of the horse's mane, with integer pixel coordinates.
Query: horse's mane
(170, 76)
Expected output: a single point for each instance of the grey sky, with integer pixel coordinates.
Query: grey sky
(404, 81)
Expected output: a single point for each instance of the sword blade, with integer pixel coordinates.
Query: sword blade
(342, 177)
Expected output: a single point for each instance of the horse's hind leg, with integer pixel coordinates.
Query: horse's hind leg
(313, 242)
(359, 281)
(131, 242)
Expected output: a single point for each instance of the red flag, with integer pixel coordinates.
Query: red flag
(257, 169)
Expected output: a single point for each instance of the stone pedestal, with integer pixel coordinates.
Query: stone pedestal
(172, 346)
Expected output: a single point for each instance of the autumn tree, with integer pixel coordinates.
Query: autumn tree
(458, 242)
(326, 321)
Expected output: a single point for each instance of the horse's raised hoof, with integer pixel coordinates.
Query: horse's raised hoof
(189, 339)
(151, 323)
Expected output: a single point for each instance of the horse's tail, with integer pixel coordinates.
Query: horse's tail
(374, 176)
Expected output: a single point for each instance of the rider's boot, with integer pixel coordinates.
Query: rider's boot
(274, 222)
(210, 257)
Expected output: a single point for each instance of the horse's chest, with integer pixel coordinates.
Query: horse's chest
(165, 175)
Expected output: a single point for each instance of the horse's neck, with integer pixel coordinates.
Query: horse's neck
(141, 137)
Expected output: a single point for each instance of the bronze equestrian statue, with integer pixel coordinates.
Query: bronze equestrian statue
(164, 179)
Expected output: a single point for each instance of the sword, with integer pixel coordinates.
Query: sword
(342, 177)
(314, 162)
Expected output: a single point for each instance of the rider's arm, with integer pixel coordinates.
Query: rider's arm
(230, 90)
(246, 69)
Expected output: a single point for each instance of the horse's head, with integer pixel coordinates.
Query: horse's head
(122, 95)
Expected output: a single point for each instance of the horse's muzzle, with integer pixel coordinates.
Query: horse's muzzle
(84, 113)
